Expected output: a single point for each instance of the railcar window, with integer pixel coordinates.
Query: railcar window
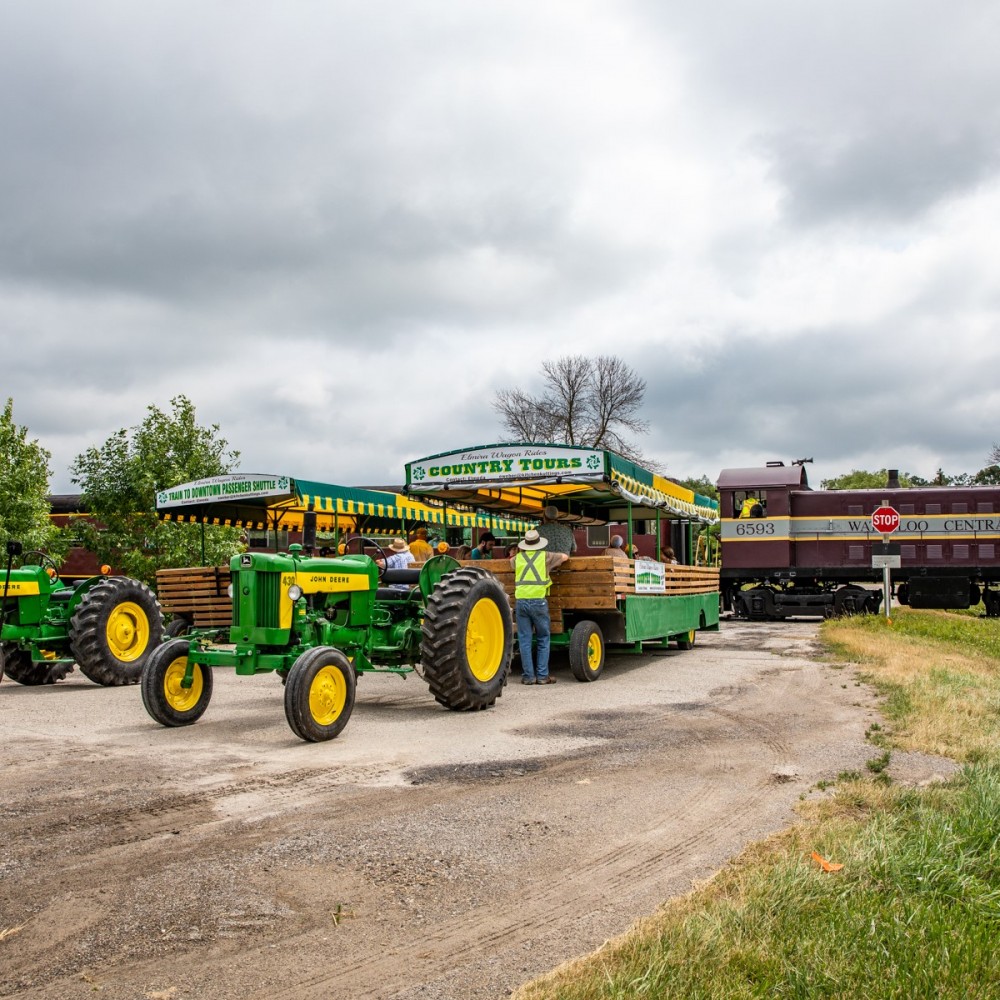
(747, 503)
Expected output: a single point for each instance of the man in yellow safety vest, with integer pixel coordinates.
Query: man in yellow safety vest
(532, 566)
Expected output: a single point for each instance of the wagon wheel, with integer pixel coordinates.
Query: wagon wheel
(586, 651)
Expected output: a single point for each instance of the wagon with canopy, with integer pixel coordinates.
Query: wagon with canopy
(595, 601)
(273, 507)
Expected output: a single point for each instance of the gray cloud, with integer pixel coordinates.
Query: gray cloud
(340, 227)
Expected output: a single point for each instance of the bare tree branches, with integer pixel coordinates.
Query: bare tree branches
(587, 402)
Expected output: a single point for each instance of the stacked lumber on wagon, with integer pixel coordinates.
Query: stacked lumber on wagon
(597, 583)
(197, 593)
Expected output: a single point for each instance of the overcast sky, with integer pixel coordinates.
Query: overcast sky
(339, 227)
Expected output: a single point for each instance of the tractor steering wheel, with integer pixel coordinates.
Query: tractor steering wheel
(363, 540)
(43, 560)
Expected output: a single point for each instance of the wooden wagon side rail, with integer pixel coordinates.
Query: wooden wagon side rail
(198, 593)
(597, 583)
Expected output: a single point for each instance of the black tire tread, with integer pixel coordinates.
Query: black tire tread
(579, 639)
(18, 666)
(151, 686)
(87, 636)
(297, 684)
(442, 652)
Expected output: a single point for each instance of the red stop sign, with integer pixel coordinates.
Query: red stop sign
(885, 520)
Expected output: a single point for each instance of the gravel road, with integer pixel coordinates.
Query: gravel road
(423, 853)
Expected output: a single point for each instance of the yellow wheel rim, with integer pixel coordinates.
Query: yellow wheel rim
(128, 631)
(594, 650)
(484, 640)
(327, 696)
(182, 699)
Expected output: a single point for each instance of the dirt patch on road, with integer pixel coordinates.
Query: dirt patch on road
(423, 853)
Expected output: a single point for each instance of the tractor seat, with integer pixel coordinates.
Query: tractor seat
(62, 596)
(410, 576)
(392, 594)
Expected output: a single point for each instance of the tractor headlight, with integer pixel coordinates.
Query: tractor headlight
(229, 591)
(294, 592)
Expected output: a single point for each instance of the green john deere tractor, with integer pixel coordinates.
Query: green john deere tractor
(106, 625)
(319, 622)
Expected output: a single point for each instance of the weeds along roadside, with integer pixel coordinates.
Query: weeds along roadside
(915, 909)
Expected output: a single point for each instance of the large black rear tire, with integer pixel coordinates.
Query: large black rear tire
(319, 694)
(468, 635)
(165, 699)
(115, 628)
(18, 666)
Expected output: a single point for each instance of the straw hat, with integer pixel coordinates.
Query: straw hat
(399, 545)
(532, 540)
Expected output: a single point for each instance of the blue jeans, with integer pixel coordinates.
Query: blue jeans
(533, 613)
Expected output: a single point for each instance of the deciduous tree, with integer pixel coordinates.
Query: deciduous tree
(24, 490)
(587, 402)
(120, 480)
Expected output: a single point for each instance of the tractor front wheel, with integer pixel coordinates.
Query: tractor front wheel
(163, 693)
(586, 651)
(319, 694)
(114, 629)
(18, 666)
(466, 649)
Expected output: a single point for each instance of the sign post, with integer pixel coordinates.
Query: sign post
(885, 520)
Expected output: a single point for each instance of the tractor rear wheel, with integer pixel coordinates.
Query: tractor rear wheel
(468, 635)
(114, 629)
(319, 694)
(166, 700)
(18, 666)
(586, 651)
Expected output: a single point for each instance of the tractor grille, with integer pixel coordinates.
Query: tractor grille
(266, 591)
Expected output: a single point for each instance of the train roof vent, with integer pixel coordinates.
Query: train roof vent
(775, 465)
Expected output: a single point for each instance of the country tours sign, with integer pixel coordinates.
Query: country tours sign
(232, 487)
(500, 464)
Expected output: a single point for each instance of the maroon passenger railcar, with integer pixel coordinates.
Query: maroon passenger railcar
(790, 550)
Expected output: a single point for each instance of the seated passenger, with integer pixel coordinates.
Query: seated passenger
(616, 549)
(399, 557)
(484, 550)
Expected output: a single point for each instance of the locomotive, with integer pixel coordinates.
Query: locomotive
(790, 550)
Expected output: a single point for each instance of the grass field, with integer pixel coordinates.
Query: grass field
(915, 910)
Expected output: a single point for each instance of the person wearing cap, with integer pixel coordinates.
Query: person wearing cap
(420, 547)
(559, 536)
(616, 549)
(399, 557)
(532, 566)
